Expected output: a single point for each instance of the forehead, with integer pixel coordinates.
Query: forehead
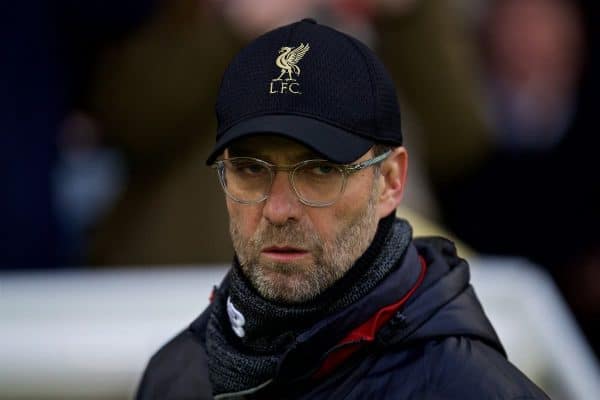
(271, 148)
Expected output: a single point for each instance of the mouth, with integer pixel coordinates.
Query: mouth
(284, 253)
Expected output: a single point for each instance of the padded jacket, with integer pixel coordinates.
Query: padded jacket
(432, 341)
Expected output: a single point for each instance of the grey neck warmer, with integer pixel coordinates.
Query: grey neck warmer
(238, 364)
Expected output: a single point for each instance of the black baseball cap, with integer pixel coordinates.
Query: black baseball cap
(313, 84)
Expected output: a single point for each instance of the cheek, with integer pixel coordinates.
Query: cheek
(245, 217)
(357, 195)
(329, 222)
(353, 203)
(324, 221)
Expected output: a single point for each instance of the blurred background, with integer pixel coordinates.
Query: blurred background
(113, 231)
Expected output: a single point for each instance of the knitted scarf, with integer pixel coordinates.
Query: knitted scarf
(237, 364)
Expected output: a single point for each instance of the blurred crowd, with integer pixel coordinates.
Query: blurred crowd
(106, 118)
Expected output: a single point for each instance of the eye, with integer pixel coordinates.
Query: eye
(322, 169)
(253, 169)
(248, 167)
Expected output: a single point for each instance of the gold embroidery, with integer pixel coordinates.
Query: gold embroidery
(287, 61)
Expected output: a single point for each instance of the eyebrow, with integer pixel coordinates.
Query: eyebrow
(297, 157)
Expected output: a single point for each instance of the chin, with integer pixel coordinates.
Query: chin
(286, 286)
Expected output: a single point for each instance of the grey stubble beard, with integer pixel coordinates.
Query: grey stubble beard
(289, 283)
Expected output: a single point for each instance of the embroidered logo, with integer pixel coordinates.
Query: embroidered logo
(236, 318)
(287, 61)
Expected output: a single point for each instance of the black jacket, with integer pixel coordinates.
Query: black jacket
(437, 344)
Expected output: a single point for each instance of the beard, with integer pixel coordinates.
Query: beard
(296, 282)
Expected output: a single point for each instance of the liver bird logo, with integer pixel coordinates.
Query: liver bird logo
(288, 60)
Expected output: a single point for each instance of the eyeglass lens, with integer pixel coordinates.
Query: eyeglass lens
(249, 180)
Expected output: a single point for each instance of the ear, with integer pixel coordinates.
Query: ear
(392, 181)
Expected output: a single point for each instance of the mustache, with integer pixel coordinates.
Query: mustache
(290, 234)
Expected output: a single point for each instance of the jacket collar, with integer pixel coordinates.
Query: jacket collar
(446, 304)
(314, 346)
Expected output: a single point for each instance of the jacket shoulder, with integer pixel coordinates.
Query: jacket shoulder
(456, 367)
(177, 371)
(449, 368)
(471, 368)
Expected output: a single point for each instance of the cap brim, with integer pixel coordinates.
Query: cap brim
(333, 143)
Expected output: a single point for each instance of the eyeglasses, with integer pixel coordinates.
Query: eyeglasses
(317, 183)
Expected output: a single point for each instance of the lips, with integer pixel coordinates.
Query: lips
(284, 253)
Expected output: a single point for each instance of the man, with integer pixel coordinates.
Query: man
(328, 295)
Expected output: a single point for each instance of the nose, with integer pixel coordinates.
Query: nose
(282, 205)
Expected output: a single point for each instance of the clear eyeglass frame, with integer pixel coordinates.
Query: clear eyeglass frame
(345, 169)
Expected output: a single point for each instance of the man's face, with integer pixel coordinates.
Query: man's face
(289, 251)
